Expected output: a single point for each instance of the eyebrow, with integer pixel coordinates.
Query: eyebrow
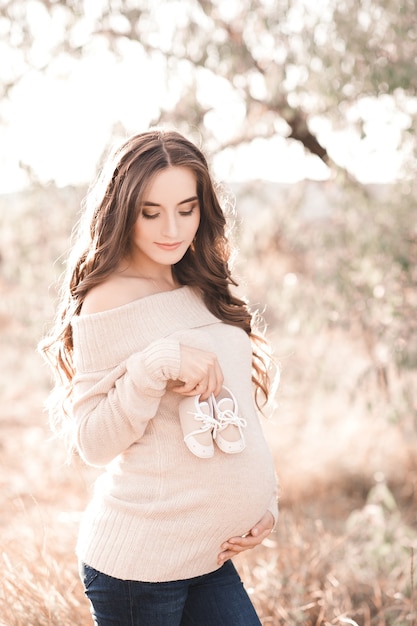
(179, 203)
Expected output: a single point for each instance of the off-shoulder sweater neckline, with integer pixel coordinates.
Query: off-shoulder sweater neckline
(105, 339)
(145, 300)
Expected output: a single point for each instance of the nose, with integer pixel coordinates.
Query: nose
(170, 226)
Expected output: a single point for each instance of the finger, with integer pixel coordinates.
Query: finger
(189, 385)
(251, 539)
(202, 389)
(207, 385)
(219, 379)
(237, 548)
(183, 392)
(189, 390)
(248, 541)
(205, 395)
(212, 381)
(225, 555)
(239, 543)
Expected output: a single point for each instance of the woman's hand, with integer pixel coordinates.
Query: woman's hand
(200, 372)
(253, 538)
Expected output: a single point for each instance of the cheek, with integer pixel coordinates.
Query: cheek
(142, 231)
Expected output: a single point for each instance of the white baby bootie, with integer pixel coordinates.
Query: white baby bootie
(197, 424)
(229, 434)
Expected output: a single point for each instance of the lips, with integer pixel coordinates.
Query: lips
(168, 246)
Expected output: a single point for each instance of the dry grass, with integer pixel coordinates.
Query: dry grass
(344, 549)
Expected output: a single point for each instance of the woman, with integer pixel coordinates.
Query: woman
(148, 323)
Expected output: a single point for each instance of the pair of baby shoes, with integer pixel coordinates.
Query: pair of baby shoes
(213, 420)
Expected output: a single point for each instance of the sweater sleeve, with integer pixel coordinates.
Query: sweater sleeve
(113, 407)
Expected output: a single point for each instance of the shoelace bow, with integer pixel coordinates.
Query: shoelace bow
(229, 418)
(208, 421)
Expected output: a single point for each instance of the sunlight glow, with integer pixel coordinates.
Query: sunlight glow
(372, 148)
(60, 126)
(59, 121)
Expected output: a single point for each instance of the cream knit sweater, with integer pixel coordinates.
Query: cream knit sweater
(158, 512)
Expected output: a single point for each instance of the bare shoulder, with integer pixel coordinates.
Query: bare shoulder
(115, 291)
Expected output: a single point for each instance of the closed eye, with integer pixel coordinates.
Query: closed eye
(189, 211)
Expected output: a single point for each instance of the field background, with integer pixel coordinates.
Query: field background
(335, 271)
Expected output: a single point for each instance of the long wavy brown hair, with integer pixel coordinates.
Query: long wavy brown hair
(103, 239)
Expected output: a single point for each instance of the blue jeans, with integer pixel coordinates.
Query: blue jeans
(215, 599)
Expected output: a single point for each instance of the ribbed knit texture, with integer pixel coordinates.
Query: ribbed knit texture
(159, 513)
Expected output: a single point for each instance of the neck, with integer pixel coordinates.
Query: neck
(162, 277)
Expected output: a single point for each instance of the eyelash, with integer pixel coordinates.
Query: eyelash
(189, 212)
(153, 216)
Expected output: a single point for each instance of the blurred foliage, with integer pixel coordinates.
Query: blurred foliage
(363, 574)
(326, 259)
(289, 68)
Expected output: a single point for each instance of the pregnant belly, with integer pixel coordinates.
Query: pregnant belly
(228, 493)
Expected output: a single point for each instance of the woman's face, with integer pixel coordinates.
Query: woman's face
(168, 220)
